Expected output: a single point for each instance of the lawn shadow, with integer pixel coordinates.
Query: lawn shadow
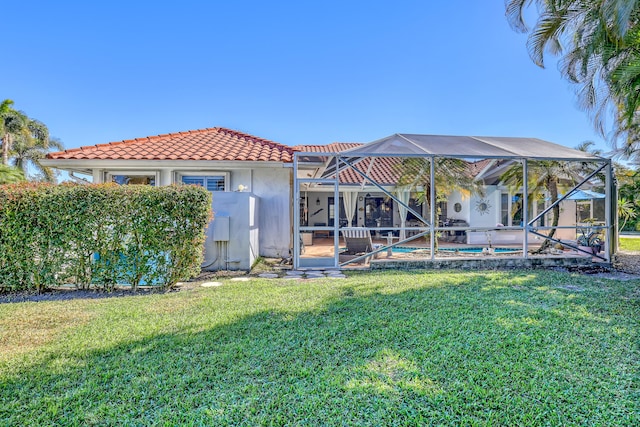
(424, 355)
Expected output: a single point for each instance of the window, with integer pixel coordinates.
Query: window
(540, 207)
(332, 212)
(511, 209)
(417, 206)
(504, 209)
(378, 212)
(583, 211)
(212, 183)
(132, 178)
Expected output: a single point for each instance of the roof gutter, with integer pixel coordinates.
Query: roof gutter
(155, 164)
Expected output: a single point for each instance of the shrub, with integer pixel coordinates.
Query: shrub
(100, 235)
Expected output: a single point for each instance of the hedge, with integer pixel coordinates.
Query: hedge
(100, 235)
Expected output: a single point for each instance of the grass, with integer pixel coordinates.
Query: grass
(629, 244)
(474, 348)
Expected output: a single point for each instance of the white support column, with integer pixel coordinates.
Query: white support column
(610, 222)
(166, 177)
(336, 216)
(296, 214)
(432, 196)
(525, 208)
(98, 176)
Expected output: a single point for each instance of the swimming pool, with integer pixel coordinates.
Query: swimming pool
(479, 250)
(472, 250)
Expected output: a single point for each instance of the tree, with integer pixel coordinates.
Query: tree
(9, 175)
(25, 141)
(628, 197)
(451, 175)
(545, 180)
(599, 45)
(626, 211)
(28, 152)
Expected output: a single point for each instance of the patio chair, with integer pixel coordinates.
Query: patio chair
(358, 243)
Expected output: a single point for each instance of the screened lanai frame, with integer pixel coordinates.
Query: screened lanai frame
(467, 148)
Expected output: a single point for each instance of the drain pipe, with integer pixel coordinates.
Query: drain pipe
(215, 260)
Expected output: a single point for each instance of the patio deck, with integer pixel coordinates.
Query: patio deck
(453, 258)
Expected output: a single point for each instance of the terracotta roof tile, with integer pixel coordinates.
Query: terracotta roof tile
(334, 147)
(221, 144)
(203, 144)
(383, 172)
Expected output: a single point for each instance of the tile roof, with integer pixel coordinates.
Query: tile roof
(384, 170)
(476, 167)
(334, 147)
(221, 144)
(204, 144)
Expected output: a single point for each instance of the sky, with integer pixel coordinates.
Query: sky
(294, 72)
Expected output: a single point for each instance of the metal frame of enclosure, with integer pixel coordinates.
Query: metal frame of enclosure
(467, 148)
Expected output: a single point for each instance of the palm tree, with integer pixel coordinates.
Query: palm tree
(626, 211)
(599, 45)
(11, 123)
(628, 195)
(9, 175)
(451, 175)
(17, 126)
(545, 179)
(27, 152)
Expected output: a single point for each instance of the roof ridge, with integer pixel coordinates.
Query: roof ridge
(150, 138)
(207, 143)
(331, 144)
(247, 136)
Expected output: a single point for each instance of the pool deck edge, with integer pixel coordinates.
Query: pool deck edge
(486, 263)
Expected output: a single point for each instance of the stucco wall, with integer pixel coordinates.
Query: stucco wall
(457, 197)
(273, 188)
(491, 215)
(270, 184)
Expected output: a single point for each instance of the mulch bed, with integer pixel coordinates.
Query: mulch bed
(626, 266)
(68, 294)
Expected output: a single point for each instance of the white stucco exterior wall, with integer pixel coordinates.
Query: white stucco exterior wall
(273, 187)
(270, 183)
(491, 216)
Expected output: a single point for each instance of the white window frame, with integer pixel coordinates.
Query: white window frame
(535, 210)
(226, 175)
(109, 175)
(510, 204)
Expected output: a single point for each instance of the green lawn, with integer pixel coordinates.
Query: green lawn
(630, 244)
(474, 348)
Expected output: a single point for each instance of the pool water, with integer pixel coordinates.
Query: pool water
(476, 250)
(479, 250)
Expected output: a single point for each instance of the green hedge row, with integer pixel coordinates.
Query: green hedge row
(100, 235)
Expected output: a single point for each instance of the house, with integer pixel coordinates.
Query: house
(265, 193)
(511, 214)
(250, 177)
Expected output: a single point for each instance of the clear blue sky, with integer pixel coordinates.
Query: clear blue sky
(295, 72)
